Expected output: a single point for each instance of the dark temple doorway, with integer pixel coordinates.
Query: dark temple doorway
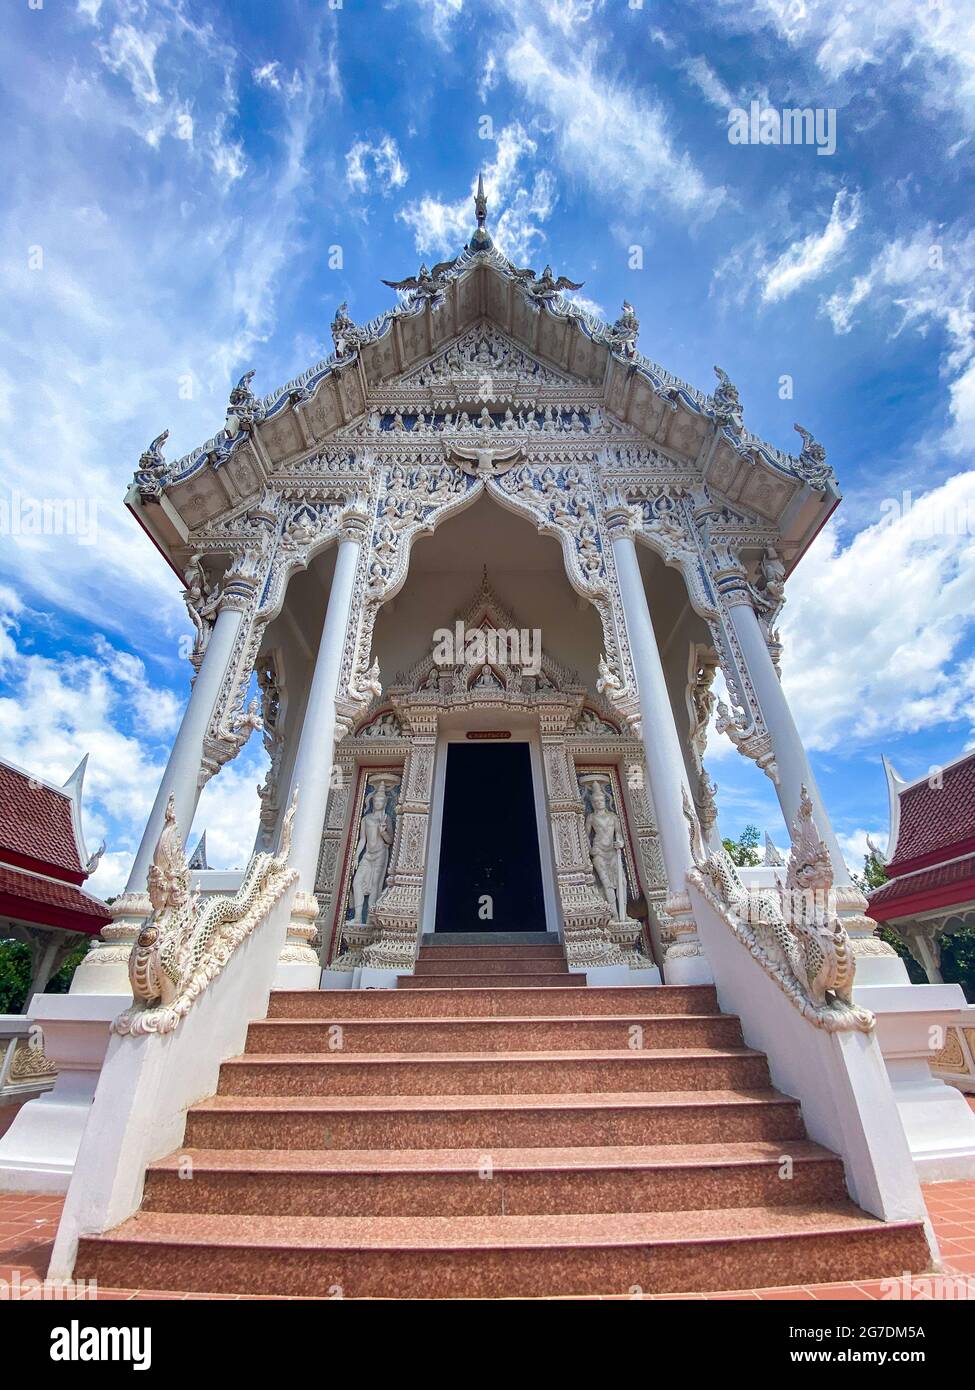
(489, 842)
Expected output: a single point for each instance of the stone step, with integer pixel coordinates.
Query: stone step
(437, 964)
(522, 980)
(511, 1034)
(485, 953)
(502, 1256)
(495, 1121)
(494, 1001)
(501, 1182)
(388, 1073)
(492, 939)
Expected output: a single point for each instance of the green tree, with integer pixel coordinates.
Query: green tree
(744, 850)
(15, 975)
(874, 873)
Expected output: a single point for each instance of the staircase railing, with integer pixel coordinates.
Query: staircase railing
(790, 984)
(184, 946)
(200, 972)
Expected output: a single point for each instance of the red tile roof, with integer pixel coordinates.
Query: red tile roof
(37, 824)
(940, 886)
(935, 822)
(30, 898)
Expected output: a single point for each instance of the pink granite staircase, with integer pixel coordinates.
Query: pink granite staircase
(510, 966)
(510, 1138)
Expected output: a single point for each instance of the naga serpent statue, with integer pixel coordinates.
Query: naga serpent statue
(795, 931)
(186, 943)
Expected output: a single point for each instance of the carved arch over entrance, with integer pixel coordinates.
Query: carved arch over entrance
(563, 720)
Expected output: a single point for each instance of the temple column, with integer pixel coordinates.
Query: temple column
(684, 958)
(877, 961)
(298, 964)
(105, 969)
(794, 771)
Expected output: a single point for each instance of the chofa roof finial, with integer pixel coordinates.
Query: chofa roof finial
(481, 240)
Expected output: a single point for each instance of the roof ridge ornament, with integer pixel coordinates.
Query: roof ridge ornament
(153, 470)
(346, 334)
(429, 286)
(243, 407)
(543, 289)
(728, 411)
(481, 240)
(811, 464)
(622, 335)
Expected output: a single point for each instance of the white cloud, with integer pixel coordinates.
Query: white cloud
(610, 135)
(519, 201)
(442, 14)
(840, 306)
(855, 847)
(588, 306)
(898, 596)
(268, 75)
(387, 165)
(816, 254)
(489, 77)
(226, 156)
(934, 40)
(708, 83)
(131, 53)
(100, 701)
(927, 279)
(568, 15)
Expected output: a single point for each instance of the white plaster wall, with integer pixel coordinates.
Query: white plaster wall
(839, 1078)
(148, 1082)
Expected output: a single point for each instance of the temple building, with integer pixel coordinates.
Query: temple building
(929, 895)
(471, 580)
(485, 455)
(43, 867)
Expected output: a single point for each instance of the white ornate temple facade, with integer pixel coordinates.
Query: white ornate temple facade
(472, 579)
(483, 454)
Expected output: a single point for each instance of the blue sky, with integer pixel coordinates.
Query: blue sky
(175, 175)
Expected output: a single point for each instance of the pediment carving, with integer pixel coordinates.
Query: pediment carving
(485, 351)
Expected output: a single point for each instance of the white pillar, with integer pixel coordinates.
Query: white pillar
(105, 969)
(182, 775)
(790, 755)
(299, 967)
(684, 959)
(877, 962)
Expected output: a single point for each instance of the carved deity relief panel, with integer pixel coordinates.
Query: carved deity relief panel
(369, 843)
(600, 783)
